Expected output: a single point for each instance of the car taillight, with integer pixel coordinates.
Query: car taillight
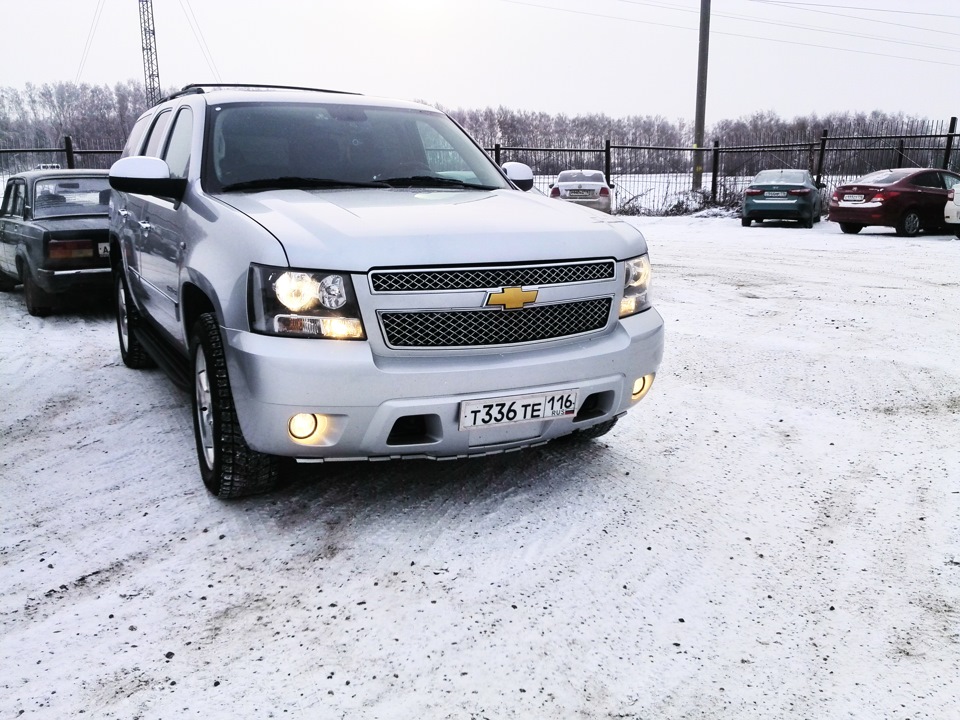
(604, 192)
(555, 192)
(69, 249)
(754, 191)
(800, 191)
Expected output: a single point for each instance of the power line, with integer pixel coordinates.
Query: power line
(198, 34)
(802, 5)
(741, 35)
(93, 30)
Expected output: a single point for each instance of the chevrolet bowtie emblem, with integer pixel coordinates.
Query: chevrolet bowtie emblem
(512, 298)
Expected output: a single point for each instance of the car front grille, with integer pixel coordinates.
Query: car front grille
(478, 328)
(431, 280)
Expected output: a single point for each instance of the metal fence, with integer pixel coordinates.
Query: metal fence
(654, 180)
(14, 160)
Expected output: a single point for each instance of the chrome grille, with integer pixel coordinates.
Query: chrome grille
(474, 328)
(490, 277)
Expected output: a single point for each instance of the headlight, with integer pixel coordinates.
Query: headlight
(304, 303)
(636, 286)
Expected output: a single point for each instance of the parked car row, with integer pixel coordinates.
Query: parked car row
(909, 200)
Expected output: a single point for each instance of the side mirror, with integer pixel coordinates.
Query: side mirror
(146, 176)
(519, 174)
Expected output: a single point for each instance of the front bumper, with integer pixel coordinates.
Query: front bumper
(391, 407)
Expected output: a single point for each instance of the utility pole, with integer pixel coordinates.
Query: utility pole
(151, 73)
(701, 94)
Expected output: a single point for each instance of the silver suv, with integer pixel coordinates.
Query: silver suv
(339, 277)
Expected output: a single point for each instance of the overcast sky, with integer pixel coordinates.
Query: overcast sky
(618, 57)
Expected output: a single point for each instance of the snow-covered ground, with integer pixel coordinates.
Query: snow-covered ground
(774, 533)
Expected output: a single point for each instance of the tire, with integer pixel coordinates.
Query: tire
(132, 352)
(745, 222)
(39, 303)
(909, 225)
(850, 228)
(6, 284)
(228, 466)
(807, 222)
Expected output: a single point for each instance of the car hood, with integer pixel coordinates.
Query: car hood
(355, 230)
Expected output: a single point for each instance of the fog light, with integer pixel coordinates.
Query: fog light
(628, 306)
(641, 386)
(302, 426)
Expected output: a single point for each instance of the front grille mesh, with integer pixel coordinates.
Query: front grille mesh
(474, 328)
(487, 278)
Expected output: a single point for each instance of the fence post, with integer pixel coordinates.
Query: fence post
(823, 154)
(716, 170)
(949, 147)
(496, 153)
(68, 149)
(606, 159)
(900, 153)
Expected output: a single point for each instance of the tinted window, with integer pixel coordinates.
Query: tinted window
(136, 135)
(156, 134)
(928, 179)
(178, 148)
(351, 143)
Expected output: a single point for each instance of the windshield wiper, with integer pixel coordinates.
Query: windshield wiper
(432, 181)
(293, 183)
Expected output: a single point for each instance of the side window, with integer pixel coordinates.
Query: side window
(7, 195)
(136, 136)
(17, 199)
(950, 181)
(177, 154)
(929, 179)
(157, 133)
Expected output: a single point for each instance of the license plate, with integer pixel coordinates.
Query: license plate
(580, 193)
(853, 198)
(775, 193)
(103, 249)
(517, 409)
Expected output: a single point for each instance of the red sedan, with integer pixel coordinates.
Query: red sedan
(908, 199)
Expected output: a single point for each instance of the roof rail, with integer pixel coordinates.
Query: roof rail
(200, 88)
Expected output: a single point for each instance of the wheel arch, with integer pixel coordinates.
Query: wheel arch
(194, 302)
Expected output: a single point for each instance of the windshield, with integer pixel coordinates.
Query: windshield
(883, 177)
(786, 177)
(266, 146)
(56, 197)
(581, 176)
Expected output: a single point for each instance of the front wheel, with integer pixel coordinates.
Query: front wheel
(39, 303)
(228, 466)
(850, 228)
(745, 222)
(6, 284)
(909, 224)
